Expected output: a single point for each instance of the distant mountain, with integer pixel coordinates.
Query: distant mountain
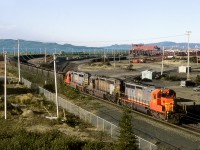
(119, 47)
(10, 45)
(160, 44)
(34, 46)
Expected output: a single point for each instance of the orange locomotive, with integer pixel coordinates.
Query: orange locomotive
(158, 102)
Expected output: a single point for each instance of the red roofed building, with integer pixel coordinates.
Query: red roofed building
(141, 49)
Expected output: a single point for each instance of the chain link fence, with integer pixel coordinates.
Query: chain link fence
(96, 121)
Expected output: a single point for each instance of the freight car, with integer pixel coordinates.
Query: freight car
(158, 102)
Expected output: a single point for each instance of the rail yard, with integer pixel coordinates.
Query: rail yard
(147, 128)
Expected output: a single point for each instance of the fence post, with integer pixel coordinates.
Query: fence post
(103, 125)
(90, 118)
(97, 122)
(49, 95)
(111, 132)
(85, 115)
(70, 109)
(150, 146)
(138, 142)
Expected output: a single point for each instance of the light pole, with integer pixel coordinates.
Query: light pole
(188, 63)
(56, 91)
(5, 88)
(18, 63)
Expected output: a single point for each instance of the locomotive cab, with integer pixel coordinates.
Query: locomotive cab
(68, 77)
(162, 103)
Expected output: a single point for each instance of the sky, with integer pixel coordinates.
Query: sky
(100, 22)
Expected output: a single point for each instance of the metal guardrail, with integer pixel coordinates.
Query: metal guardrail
(98, 122)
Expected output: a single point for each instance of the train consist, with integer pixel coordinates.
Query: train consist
(158, 102)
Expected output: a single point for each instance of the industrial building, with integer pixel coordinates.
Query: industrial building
(146, 50)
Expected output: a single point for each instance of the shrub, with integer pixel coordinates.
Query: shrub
(21, 139)
(50, 87)
(174, 78)
(197, 80)
(127, 140)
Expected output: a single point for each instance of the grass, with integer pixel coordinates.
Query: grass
(18, 132)
(68, 92)
(14, 133)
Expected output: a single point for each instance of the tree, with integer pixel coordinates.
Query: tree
(126, 140)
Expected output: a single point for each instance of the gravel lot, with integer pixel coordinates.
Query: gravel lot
(170, 67)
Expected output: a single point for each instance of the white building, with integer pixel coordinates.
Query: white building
(148, 74)
(183, 69)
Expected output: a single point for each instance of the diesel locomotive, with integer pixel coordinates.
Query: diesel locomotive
(160, 103)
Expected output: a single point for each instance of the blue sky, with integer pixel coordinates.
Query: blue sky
(100, 22)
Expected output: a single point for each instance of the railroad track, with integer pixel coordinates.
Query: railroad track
(190, 128)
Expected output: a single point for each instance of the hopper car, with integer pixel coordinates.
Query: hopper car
(157, 102)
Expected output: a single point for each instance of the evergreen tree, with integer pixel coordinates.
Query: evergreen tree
(126, 140)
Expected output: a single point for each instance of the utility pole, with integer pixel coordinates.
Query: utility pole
(188, 63)
(114, 58)
(119, 55)
(5, 88)
(129, 57)
(14, 50)
(72, 51)
(45, 55)
(19, 64)
(162, 61)
(104, 56)
(56, 91)
(197, 57)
